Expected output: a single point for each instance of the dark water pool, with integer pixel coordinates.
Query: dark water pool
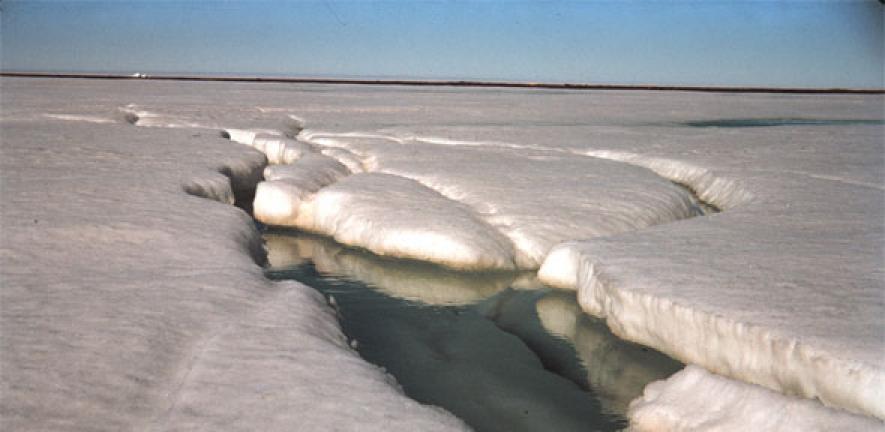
(498, 350)
(768, 122)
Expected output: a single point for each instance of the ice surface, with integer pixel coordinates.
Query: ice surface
(537, 199)
(395, 216)
(695, 400)
(784, 288)
(313, 170)
(281, 150)
(128, 303)
(279, 200)
(784, 291)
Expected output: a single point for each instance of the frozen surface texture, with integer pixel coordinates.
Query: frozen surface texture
(783, 289)
(396, 216)
(535, 198)
(696, 400)
(129, 304)
(279, 199)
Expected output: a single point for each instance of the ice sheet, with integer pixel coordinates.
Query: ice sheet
(696, 400)
(395, 216)
(783, 289)
(129, 304)
(279, 199)
(536, 198)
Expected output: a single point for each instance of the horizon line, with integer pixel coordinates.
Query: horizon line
(450, 83)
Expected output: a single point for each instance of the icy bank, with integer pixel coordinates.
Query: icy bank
(695, 399)
(535, 198)
(617, 371)
(490, 362)
(129, 303)
(395, 216)
(783, 289)
(279, 199)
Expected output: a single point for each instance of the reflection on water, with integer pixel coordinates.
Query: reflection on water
(406, 279)
(496, 349)
(616, 370)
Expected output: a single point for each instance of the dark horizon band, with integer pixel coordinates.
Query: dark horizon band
(452, 83)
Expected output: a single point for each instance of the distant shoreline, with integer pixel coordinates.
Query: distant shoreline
(450, 83)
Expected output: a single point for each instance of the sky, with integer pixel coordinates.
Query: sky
(829, 43)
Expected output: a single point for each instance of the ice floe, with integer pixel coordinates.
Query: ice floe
(536, 199)
(696, 400)
(755, 293)
(128, 303)
(782, 289)
(280, 150)
(399, 217)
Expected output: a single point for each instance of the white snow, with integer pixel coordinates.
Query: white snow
(398, 217)
(280, 150)
(314, 170)
(783, 289)
(683, 403)
(537, 199)
(279, 200)
(129, 304)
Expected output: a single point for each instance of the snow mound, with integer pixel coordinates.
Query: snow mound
(716, 190)
(313, 170)
(560, 267)
(128, 304)
(395, 216)
(536, 198)
(278, 201)
(696, 400)
(280, 150)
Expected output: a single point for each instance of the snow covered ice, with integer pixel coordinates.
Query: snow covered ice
(128, 303)
(397, 216)
(683, 403)
(147, 306)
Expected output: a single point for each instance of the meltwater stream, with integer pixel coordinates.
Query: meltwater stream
(498, 350)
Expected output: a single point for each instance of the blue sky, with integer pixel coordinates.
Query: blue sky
(831, 43)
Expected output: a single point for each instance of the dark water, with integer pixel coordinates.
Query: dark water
(768, 122)
(498, 350)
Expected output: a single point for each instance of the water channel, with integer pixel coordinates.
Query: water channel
(498, 350)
